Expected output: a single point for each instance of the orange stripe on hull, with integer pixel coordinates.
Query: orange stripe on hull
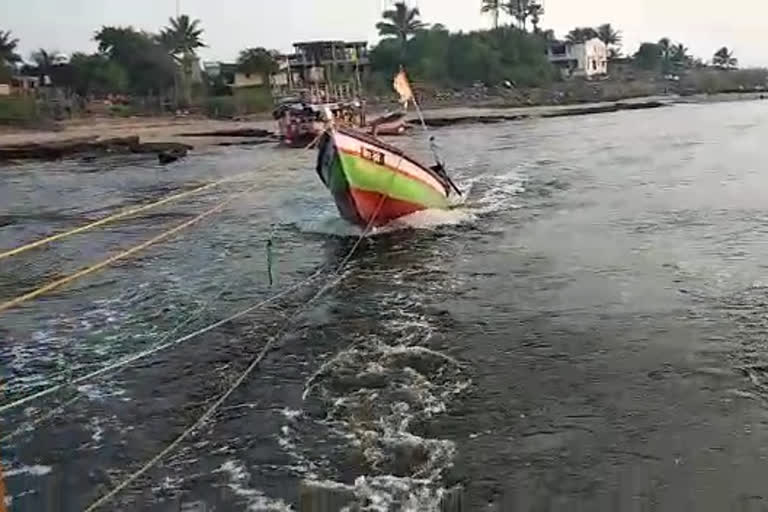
(369, 203)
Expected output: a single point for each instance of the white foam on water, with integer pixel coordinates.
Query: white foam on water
(35, 470)
(430, 219)
(291, 414)
(257, 501)
(372, 393)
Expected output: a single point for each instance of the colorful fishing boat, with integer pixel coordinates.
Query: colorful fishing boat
(374, 183)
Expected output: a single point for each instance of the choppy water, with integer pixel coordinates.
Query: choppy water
(587, 332)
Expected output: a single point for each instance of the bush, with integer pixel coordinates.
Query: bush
(253, 100)
(721, 80)
(220, 107)
(17, 110)
(461, 59)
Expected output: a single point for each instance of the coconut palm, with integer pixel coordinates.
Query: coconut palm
(182, 38)
(43, 60)
(724, 58)
(608, 35)
(519, 10)
(401, 22)
(492, 7)
(8, 45)
(535, 11)
(680, 56)
(581, 35)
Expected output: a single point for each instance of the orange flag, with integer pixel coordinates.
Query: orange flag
(403, 88)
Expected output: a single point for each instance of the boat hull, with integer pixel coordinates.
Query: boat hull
(373, 183)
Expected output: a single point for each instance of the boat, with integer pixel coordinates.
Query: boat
(374, 183)
(392, 123)
(301, 122)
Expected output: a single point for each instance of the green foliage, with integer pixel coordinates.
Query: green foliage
(220, 107)
(649, 57)
(8, 46)
(492, 7)
(608, 35)
(718, 80)
(18, 110)
(581, 34)
(521, 10)
(183, 36)
(257, 60)
(460, 59)
(91, 74)
(724, 58)
(252, 100)
(149, 67)
(535, 11)
(401, 22)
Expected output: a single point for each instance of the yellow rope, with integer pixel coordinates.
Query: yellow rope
(98, 266)
(120, 215)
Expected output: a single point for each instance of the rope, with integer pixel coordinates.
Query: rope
(146, 353)
(98, 266)
(112, 218)
(38, 421)
(243, 376)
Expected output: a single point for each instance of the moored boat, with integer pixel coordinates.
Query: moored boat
(300, 122)
(374, 183)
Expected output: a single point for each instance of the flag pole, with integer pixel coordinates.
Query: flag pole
(403, 87)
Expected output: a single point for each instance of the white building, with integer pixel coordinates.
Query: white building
(588, 59)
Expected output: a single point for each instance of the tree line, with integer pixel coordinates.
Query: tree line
(141, 63)
(128, 61)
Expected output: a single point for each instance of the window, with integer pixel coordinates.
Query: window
(594, 65)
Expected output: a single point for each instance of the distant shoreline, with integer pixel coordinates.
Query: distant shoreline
(172, 130)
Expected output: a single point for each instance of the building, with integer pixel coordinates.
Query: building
(588, 59)
(326, 63)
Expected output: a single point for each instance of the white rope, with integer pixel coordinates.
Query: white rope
(32, 425)
(243, 376)
(156, 349)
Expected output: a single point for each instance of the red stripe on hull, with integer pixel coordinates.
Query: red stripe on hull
(370, 203)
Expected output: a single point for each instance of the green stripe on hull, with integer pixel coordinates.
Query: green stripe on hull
(366, 175)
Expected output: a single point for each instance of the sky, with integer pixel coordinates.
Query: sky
(231, 25)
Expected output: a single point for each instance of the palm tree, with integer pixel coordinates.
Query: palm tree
(680, 56)
(535, 11)
(608, 35)
(8, 45)
(665, 47)
(519, 10)
(493, 7)
(182, 38)
(548, 35)
(724, 58)
(43, 60)
(581, 35)
(401, 22)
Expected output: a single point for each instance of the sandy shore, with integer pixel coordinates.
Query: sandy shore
(164, 129)
(147, 128)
